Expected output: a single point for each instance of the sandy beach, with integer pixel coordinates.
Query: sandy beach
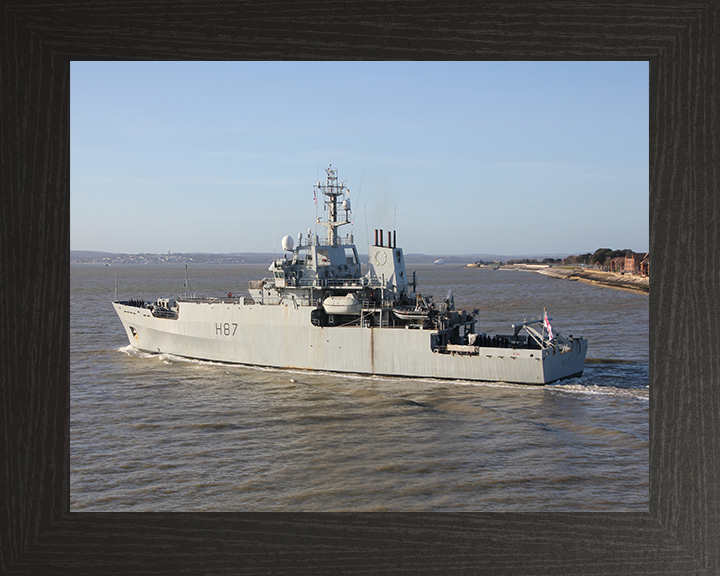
(632, 282)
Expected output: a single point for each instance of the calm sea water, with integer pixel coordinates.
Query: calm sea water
(160, 433)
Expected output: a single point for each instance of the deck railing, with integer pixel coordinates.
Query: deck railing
(349, 283)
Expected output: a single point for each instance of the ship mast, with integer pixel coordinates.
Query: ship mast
(333, 190)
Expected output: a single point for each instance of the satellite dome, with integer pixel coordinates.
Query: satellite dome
(287, 243)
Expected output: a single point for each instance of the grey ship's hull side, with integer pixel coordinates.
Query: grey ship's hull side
(283, 336)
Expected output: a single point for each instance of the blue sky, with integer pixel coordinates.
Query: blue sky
(502, 158)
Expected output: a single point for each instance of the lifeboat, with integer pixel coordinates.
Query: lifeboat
(348, 304)
(413, 315)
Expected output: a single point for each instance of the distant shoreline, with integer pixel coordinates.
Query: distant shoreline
(629, 282)
(94, 256)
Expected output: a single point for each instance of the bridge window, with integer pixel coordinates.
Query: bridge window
(303, 255)
(323, 257)
(350, 257)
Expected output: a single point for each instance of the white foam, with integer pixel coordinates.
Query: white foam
(592, 390)
(130, 350)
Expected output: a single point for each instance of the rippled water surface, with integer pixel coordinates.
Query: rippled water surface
(160, 433)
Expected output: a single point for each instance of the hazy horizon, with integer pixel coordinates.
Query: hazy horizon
(360, 252)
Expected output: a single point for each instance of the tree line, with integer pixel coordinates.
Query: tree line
(600, 256)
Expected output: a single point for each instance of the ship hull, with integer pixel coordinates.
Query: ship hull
(283, 336)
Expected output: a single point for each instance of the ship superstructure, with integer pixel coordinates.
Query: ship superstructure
(319, 311)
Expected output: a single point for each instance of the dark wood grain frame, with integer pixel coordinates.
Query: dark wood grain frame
(681, 532)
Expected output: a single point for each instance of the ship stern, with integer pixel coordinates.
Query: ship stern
(563, 363)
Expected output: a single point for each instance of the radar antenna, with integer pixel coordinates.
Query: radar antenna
(334, 189)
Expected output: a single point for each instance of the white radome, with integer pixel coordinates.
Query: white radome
(287, 243)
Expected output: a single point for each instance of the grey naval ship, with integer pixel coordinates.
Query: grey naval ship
(318, 311)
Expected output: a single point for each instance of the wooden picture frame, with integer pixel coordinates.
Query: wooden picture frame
(681, 531)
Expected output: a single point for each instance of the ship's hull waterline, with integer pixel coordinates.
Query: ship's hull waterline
(283, 336)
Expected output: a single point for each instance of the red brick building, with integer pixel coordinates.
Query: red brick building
(616, 264)
(633, 260)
